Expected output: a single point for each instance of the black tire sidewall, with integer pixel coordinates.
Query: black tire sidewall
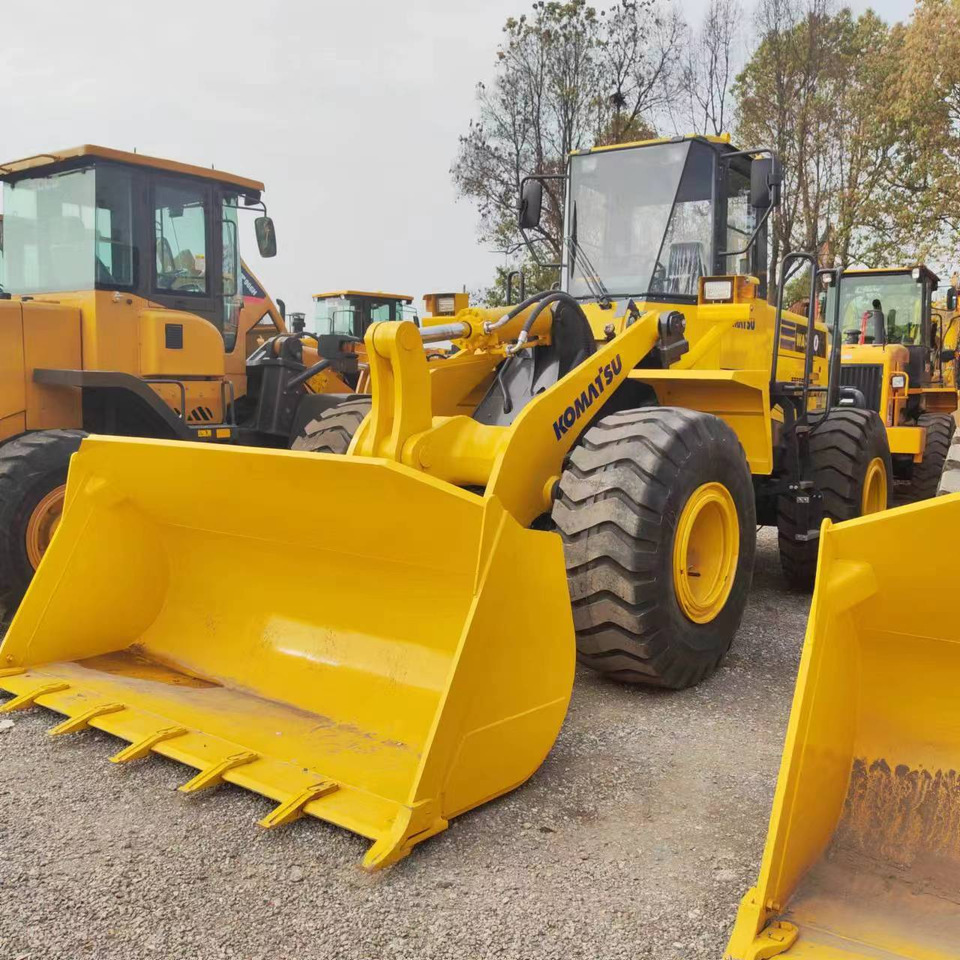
(32, 466)
(320, 435)
(875, 446)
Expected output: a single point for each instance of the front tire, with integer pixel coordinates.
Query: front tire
(950, 477)
(657, 516)
(33, 475)
(333, 430)
(849, 464)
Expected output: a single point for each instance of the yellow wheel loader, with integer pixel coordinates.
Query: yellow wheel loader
(862, 859)
(125, 309)
(947, 316)
(892, 360)
(584, 475)
(350, 312)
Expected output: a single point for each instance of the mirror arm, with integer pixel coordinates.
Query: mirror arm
(256, 207)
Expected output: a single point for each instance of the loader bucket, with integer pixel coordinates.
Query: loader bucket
(377, 649)
(863, 851)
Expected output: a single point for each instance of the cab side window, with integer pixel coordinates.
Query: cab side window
(180, 229)
(382, 310)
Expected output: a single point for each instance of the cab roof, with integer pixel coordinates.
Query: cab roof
(406, 298)
(722, 140)
(62, 158)
(891, 271)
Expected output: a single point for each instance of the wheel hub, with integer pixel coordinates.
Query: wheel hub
(43, 523)
(874, 497)
(705, 553)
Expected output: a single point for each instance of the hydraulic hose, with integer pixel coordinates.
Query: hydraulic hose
(492, 325)
(546, 299)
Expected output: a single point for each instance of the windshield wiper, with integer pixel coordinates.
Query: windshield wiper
(589, 272)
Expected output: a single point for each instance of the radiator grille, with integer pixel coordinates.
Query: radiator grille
(867, 378)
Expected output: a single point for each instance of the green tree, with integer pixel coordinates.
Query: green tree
(811, 90)
(918, 214)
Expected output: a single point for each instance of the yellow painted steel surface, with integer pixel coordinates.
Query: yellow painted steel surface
(910, 440)
(862, 860)
(399, 676)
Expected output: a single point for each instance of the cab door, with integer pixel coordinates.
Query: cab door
(185, 267)
(181, 328)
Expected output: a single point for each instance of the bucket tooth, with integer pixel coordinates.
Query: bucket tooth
(28, 698)
(141, 748)
(213, 775)
(11, 671)
(82, 720)
(292, 809)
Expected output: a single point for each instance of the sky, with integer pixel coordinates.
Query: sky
(349, 112)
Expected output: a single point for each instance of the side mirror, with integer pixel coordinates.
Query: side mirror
(282, 307)
(951, 298)
(266, 236)
(765, 179)
(531, 204)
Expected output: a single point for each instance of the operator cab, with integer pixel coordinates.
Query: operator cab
(651, 220)
(889, 310)
(92, 218)
(887, 306)
(349, 312)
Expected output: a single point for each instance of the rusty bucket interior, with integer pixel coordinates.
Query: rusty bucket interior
(863, 852)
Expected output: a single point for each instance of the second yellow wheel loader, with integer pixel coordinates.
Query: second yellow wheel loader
(583, 475)
(892, 359)
(125, 309)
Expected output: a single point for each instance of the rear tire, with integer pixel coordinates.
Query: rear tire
(925, 476)
(32, 470)
(843, 454)
(626, 488)
(333, 430)
(950, 478)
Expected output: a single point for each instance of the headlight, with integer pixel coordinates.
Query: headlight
(718, 290)
(898, 381)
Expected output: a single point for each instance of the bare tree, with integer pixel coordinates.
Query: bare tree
(714, 56)
(567, 77)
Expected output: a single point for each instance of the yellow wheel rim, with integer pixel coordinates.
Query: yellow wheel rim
(705, 552)
(42, 524)
(874, 497)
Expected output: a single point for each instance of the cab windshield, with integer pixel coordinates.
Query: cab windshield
(68, 231)
(641, 220)
(879, 309)
(335, 315)
(352, 315)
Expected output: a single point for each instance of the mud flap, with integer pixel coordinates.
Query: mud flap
(374, 648)
(863, 852)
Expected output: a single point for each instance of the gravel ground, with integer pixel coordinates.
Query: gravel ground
(635, 839)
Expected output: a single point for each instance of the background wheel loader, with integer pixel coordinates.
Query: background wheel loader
(862, 859)
(583, 475)
(947, 316)
(126, 310)
(892, 358)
